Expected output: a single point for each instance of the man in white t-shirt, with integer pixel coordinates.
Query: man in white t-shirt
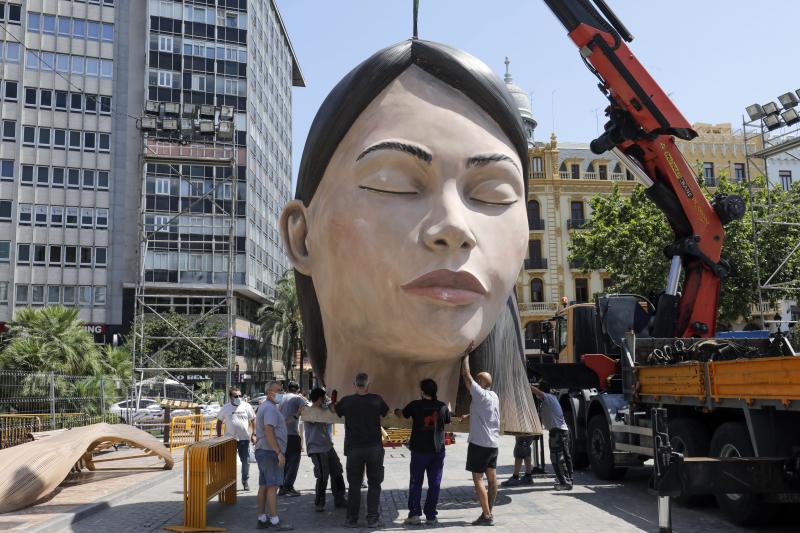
(239, 419)
(484, 437)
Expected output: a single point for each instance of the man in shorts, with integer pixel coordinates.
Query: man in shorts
(522, 453)
(270, 448)
(484, 436)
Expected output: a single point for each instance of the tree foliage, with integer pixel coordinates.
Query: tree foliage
(203, 344)
(627, 235)
(280, 318)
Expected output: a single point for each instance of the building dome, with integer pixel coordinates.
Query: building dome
(522, 100)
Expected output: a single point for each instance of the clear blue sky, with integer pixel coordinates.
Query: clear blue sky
(713, 57)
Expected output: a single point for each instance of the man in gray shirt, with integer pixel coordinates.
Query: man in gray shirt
(553, 421)
(290, 409)
(319, 447)
(270, 449)
(484, 436)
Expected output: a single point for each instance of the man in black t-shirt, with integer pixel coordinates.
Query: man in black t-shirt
(363, 447)
(429, 417)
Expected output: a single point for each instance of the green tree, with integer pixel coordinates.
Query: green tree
(627, 235)
(50, 339)
(280, 318)
(204, 343)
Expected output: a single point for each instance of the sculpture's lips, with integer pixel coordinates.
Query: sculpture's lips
(459, 288)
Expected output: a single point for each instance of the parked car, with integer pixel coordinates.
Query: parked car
(148, 410)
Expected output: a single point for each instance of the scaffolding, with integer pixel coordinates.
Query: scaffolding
(784, 142)
(177, 153)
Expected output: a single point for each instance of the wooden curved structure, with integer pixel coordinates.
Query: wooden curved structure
(31, 471)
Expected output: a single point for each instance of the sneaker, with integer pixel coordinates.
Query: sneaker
(245, 486)
(281, 526)
(282, 492)
(375, 523)
(527, 479)
(431, 521)
(513, 481)
(292, 492)
(351, 523)
(319, 508)
(262, 525)
(412, 521)
(483, 521)
(562, 486)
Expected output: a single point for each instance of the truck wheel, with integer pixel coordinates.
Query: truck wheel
(691, 438)
(732, 440)
(580, 460)
(601, 454)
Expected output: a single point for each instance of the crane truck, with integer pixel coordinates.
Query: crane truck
(644, 379)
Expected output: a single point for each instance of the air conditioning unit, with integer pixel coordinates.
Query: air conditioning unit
(149, 123)
(226, 112)
(169, 124)
(187, 126)
(151, 107)
(172, 108)
(207, 110)
(206, 126)
(189, 110)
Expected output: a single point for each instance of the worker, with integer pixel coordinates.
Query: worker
(553, 421)
(522, 453)
(239, 421)
(319, 447)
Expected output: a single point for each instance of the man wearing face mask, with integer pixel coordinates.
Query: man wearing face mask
(239, 420)
(270, 449)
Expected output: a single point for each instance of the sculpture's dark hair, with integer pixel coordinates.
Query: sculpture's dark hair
(429, 387)
(345, 103)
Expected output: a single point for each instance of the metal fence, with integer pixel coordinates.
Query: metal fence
(32, 402)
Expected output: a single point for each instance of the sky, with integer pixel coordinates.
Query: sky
(713, 57)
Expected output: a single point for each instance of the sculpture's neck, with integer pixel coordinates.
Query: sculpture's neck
(394, 378)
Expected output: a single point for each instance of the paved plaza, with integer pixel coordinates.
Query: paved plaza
(593, 506)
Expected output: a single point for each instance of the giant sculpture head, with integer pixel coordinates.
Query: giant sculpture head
(409, 225)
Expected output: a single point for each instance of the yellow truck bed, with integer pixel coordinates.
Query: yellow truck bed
(775, 379)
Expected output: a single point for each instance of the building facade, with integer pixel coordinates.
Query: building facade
(717, 151)
(78, 188)
(56, 155)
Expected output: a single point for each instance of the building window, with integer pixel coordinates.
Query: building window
(99, 296)
(61, 100)
(56, 216)
(10, 90)
(537, 290)
(53, 294)
(59, 139)
(5, 210)
(89, 139)
(3, 292)
(164, 79)
(84, 296)
(70, 255)
(69, 295)
(72, 217)
(73, 177)
(86, 256)
(102, 179)
(575, 170)
(87, 217)
(88, 179)
(46, 98)
(162, 186)
(40, 212)
(786, 179)
(39, 254)
(37, 294)
(28, 135)
(100, 257)
(44, 137)
(42, 175)
(5, 251)
(23, 254)
(58, 177)
(607, 283)
(708, 170)
(101, 221)
(534, 216)
(7, 170)
(55, 255)
(74, 140)
(12, 49)
(576, 211)
(581, 290)
(22, 294)
(9, 130)
(165, 43)
(738, 172)
(602, 171)
(24, 214)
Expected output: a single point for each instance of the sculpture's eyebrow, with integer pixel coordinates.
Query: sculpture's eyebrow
(485, 159)
(417, 151)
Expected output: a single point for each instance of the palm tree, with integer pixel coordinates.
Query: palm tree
(50, 339)
(280, 318)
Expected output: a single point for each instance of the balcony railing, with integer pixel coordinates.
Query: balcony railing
(764, 308)
(538, 307)
(564, 175)
(536, 224)
(576, 264)
(590, 176)
(538, 263)
(537, 175)
(617, 176)
(577, 223)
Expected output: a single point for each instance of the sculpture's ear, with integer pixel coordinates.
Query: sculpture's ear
(294, 230)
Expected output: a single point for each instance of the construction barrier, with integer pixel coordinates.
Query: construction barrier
(188, 429)
(209, 469)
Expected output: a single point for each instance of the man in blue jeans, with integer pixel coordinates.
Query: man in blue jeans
(270, 449)
(239, 419)
(429, 417)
